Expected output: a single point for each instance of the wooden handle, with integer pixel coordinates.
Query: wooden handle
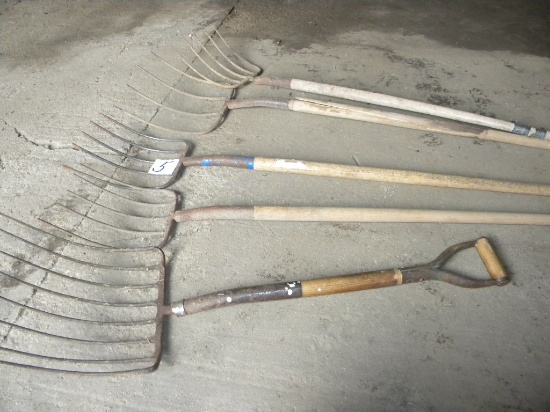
(503, 137)
(366, 114)
(365, 215)
(351, 283)
(396, 176)
(492, 262)
(214, 213)
(288, 290)
(402, 104)
(369, 115)
(328, 214)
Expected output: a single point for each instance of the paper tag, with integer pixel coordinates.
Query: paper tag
(164, 166)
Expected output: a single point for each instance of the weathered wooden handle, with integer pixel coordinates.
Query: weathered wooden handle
(364, 215)
(373, 174)
(406, 121)
(351, 283)
(328, 214)
(492, 262)
(412, 106)
(396, 176)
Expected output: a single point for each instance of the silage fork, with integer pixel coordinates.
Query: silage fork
(120, 216)
(152, 167)
(102, 311)
(228, 70)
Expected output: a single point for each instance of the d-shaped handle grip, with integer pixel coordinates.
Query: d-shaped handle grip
(492, 262)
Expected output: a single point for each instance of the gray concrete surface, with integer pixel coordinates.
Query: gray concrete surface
(417, 347)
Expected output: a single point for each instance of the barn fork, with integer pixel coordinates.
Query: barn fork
(146, 165)
(222, 67)
(101, 311)
(120, 216)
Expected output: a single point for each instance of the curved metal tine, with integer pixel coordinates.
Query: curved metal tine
(72, 278)
(199, 76)
(149, 123)
(116, 182)
(182, 92)
(141, 146)
(120, 217)
(124, 155)
(150, 364)
(117, 236)
(53, 314)
(230, 81)
(169, 178)
(75, 321)
(87, 271)
(52, 235)
(111, 163)
(95, 181)
(187, 75)
(95, 340)
(148, 136)
(128, 200)
(256, 69)
(242, 78)
(251, 73)
(173, 109)
(58, 256)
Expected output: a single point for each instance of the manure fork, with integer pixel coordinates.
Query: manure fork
(102, 311)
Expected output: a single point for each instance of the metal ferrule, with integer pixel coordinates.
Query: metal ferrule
(177, 309)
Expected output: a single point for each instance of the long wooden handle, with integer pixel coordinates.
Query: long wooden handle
(359, 215)
(366, 114)
(312, 214)
(396, 176)
(413, 106)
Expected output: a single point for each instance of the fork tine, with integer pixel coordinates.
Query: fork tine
(120, 216)
(167, 129)
(182, 92)
(63, 317)
(249, 73)
(242, 78)
(200, 78)
(230, 81)
(148, 136)
(256, 69)
(140, 146)
(179, 111)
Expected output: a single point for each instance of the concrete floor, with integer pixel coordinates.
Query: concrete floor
(416, 347)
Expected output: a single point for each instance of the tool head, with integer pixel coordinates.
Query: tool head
(214, 62)
(193, 99)
(132, 159)
(68, 307)
(108, 214)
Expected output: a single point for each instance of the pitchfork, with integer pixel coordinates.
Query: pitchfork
(120, 216)
(140, 164)
(220, 66)
(101, 311)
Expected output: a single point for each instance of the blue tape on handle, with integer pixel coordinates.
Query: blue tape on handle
(250, 162)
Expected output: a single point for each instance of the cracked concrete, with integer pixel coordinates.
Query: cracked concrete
(418, 347)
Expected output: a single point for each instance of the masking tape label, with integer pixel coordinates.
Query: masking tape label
(164, 166)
